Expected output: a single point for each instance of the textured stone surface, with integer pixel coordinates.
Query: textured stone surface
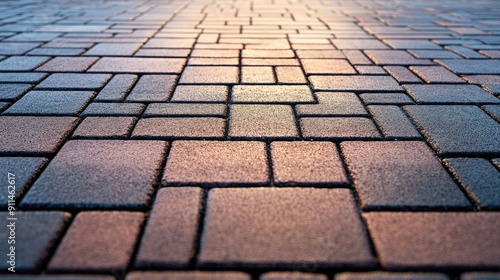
(113, 109)
(327, 66)
(264, 121)
(185, 109)
(25, 170)
(186, 127)
(22, 63)
(138, 65)
(354, 83)
(436, 74)
(68, 81)
(198, 275)
(105, 127)
(386, 99)
(338, 128)
(389, 276)
(153, 88)
(462, 66)
(393, 123)
(210, 75)
(117, 88)
(67, 64)
(333, 104)
(450, 94)
(271, 94)
(200, 94)
(480, 276)
(67, 103)
(292, 276)
(393, 57)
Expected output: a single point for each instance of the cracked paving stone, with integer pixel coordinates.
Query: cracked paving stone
(185, 109)
(35, 102)
(98, 242)
(257, 227)
(153, 88)
(400, 175)
(188, 275)
(22, 63)
(175, 127)
(395, 57)
(200, 94)
(117, 88)
(333, 104)
(327, 66)
(435, 240)
(29, 135)
(24, 168)
(69, 81)
(355, 83)
(217, 162)
(138, 65)
(105, 127)
(393, 123)
(271, 94)
(170, 236)
(113, 109)
(471, 67)
(292, 276)
(210, 75)
(339, 128)
(67, 64)
(450, 94)
(100, 174)
(457, 130)
(379, 275)
(10, 92)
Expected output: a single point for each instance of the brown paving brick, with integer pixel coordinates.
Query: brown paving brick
(269, 62)
(319, 54)
(188, 275)
(162, 53)
(29, 135)
(344, 128)
(379, 275)
(153, 88)
(210, 75)
(435, 240)
(267, 53)
(271, 94)
(333, 104)
(216, 162)
(355, 83)
(327, 66)
(394, 57)
(98, 242)
(170, 236)
(363, 44)
(393, 123)
(105, 127)
(167, 43)
(200, 94)
(185, 109)
(263, 121)
(290, 75)
(306, 162)
(68, 64)
(268, 228)
(292, 276)
(204, 61)
(138, 65)
(186, 127)
(257, 75)
(215, 53)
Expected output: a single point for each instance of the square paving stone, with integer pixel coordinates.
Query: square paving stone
(457, 130)
(180, 128)
(435, 240)
(259, 227)
(25, 170)
(69, 81)
(307, 163)
(257, 75)
(98, 174)
(117, 88)
(479, 178)
(355, 83)
(67, 64)
(9, 92)
(170, 236)
(113, 49)
(290, 75)
(22, 63)
(292, 276)
(139, 65)
(340, 128)
(105, 127)
(188, 275)
(473, 67)
(450, 94)
(98, 242)
(262, 121)
(36, 235)
(185, 109)
(217, 162)
(379, 275)
(395, 57)
(200, 94)
(113, 109)
(151, 88)
(29, 135)
(271, 94)
(35, 102)
(333, 104)
(402, 175)
(327, 66)
(210, 75)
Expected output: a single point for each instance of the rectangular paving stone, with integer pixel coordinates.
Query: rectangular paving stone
(356, 57)
(355, 83)
(249, 53)
(22, 77)
(183, 128)
(139, 65)
(479, 178)
(185, 109)
(472, 67)
(170, 236)
(457, 130)
(16, 48)
(386, 99)
(153, 88)
(465, 52)
(370, 70)
(67, 64)
(493, 111)
(411, 44)
(29, 135)
(327, 66)
(270, 62)
(290, 75)
(319, 54)
(206, 94)
(22, 63)
(204, 61)
(360, 44)
(161, 43)
(25, 170)
(450, 94)
(333, 104)
(262, 121)
(299, 163)
(402, 74)
(56, 51)
(72, 28)
(340, 128)
(271, 94)
(215, 163)
(400, 175)
(10, 92)
(36, 235)
(434, 54)
(292, 276)
(105, 127)
(436, 74)
(395, 57)
(256, 227)
(435, 240)
(188, 275)
(113, 109)
(380, 275)
(109, 174)
(113, 49)
(69, 81)
(66, 103)
(257, 75)
(215, 53)
(393, 123)
(210, 75)
(162, 53)
(98, 242)
(59, 277)
(117, 88)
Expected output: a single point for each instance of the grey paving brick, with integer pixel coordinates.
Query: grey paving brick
(370, 70)
(257, 75)
(393, 123)
(333, 104)
(170, 236)
(263, 121)
(210, 75)
(395, 57)
(259, 229)
(25, 170)
(482, 79)
(153, 88)
(36, 234)
(10, 92)
(271, 94)
(215, 162)
(493, 111)
(113, 49)
(29, 135)
(22, 63)
(402, 74)
(56, 51)
(480, 179)
(450, 94)
(111, 174)
(117, 88)
(434, 54)
(72, 28)
(162, 53)
(105, 127)
(435, 240)
(436, 74)
(69, 81)
(356, 57)
(166, 43)
(395, 175)
(457, 130)
(361, 44)
(465, 52)
(290, 75)
(187, 275)
(98, 242)
(292, 276)
(186, 127)
(139, 65)
(390, 276)
(327, 66)
(66, 103)
(355, 83)
(113, 109)
(340, 128)
(411, 44)
(3, 106)
(480, 276)
(68, 64)
(307, 163)
(200, 94)
(386, 99)
(185, 109)
(21, 77)
(473, 67)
